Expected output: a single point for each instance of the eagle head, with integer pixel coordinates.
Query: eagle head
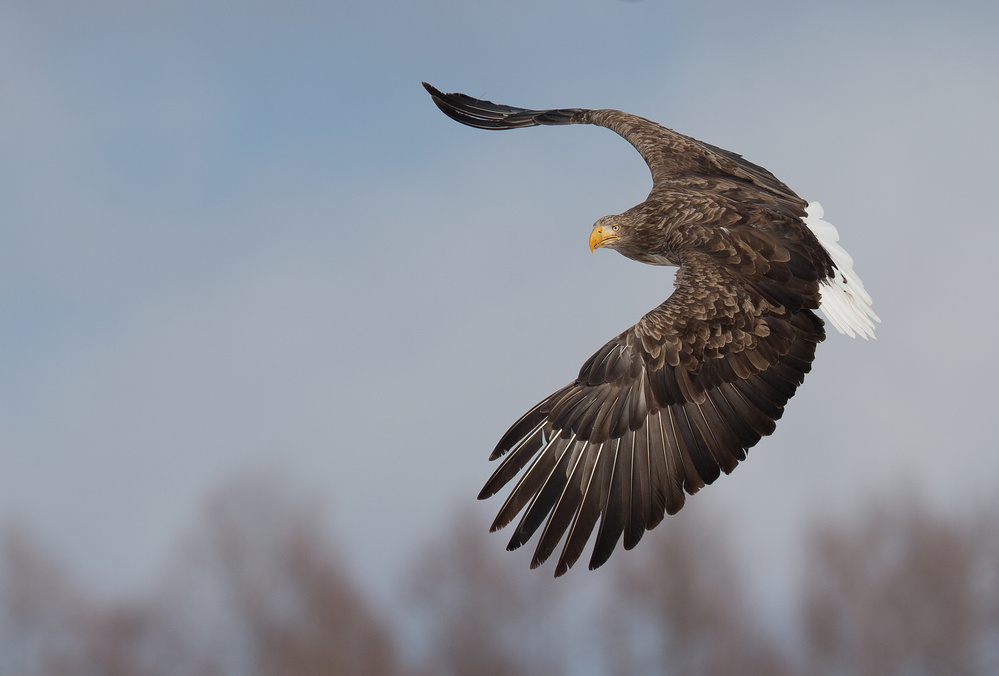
(607, 232)
(632, 234)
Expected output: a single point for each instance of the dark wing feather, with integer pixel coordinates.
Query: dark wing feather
(634, 431)
(488, 115)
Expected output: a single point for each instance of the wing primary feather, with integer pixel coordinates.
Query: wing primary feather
(613, 516)
(772, 386)
(586, 423)
(576, 407)
(544, 499)
(746, 388)
(524, 425)
(761, 424)
(641, 499)
(589, 510)
(604, 419)
(483, 114)
(672, 486)
(697, 447)
(658, 474)
(514, 462)
(678, 434)
(747, 437)
(724, 446)
(530, 482)
(564, 509)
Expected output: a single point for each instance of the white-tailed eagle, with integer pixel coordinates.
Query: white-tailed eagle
(680, 397)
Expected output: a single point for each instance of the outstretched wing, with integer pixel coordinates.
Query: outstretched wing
(661, 409)
(671, 156)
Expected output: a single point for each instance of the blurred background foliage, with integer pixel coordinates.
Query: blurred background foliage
(257, 586)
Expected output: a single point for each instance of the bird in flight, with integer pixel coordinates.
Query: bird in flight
(665, 407)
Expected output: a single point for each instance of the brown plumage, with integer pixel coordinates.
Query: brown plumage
(666, 406)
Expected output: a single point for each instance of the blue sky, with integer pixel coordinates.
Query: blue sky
(238, 237)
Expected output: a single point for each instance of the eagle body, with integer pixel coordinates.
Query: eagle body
(668, 405)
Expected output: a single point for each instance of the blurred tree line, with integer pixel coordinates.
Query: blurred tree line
(257, 588)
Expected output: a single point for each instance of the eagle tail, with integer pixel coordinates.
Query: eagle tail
(844, 301)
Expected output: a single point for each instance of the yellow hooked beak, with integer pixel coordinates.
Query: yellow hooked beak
(600, 236)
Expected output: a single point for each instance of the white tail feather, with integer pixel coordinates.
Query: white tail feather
(843, 299)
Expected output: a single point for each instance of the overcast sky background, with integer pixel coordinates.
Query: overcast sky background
(239, 237)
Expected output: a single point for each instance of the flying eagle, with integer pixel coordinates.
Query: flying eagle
(681, 396)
